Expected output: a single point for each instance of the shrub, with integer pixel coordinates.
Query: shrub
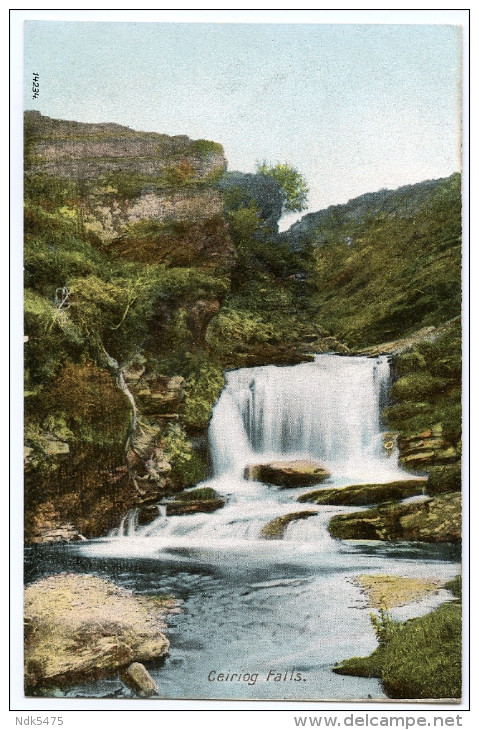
(204, 148)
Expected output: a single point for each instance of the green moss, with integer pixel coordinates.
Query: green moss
(445, 478)
(201, 393)
(437, 520)
(200, 494)
(275, 529)
(204, 148)
(188, 467)
(417, 386)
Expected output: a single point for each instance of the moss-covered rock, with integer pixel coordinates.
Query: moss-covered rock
(444, 479)
(365, 494)
(275, 529)
(202, 499)
(434, 520)
(194, 506)
(284, 474)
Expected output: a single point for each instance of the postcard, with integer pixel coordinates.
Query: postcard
(242, 360)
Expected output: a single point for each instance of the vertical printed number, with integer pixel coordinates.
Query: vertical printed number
(36, 85)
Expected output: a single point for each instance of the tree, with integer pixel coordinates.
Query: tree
(293, 185)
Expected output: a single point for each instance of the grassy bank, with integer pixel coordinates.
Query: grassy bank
(416, 659)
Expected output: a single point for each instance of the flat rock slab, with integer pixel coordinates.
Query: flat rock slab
(389, 591)
(366, 494)
(436, 520)
(80, 627)
(288, 474)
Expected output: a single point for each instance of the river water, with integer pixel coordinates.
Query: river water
(267, 619)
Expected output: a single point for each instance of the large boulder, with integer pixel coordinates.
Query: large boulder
(434, 520)
(79, 627)
(285, 474)
(366, 494)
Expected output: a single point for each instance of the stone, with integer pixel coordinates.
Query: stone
(62, 532)
(79, 627)
(435, 520)
(275, 529)
(366, 494)
(194, 506)
(137, 677)
(395, 590)
(285, 474)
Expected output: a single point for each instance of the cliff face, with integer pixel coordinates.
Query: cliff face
(118, 181)
(127, 259)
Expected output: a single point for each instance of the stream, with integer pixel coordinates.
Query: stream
(267, 619)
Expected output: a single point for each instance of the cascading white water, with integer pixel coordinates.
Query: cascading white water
(327, 410)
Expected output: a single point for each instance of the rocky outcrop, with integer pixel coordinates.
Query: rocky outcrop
(435, 520)
(156, 395)
(275, 529)
(56, 532)
(284, 474)
(426, 448)
(79, 627)
(366, 494)
(397, 347)
(148, 196)
(82, 151)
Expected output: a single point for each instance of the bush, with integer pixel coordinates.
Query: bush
(204, 148)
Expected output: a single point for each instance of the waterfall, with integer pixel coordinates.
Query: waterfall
(328, 410)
